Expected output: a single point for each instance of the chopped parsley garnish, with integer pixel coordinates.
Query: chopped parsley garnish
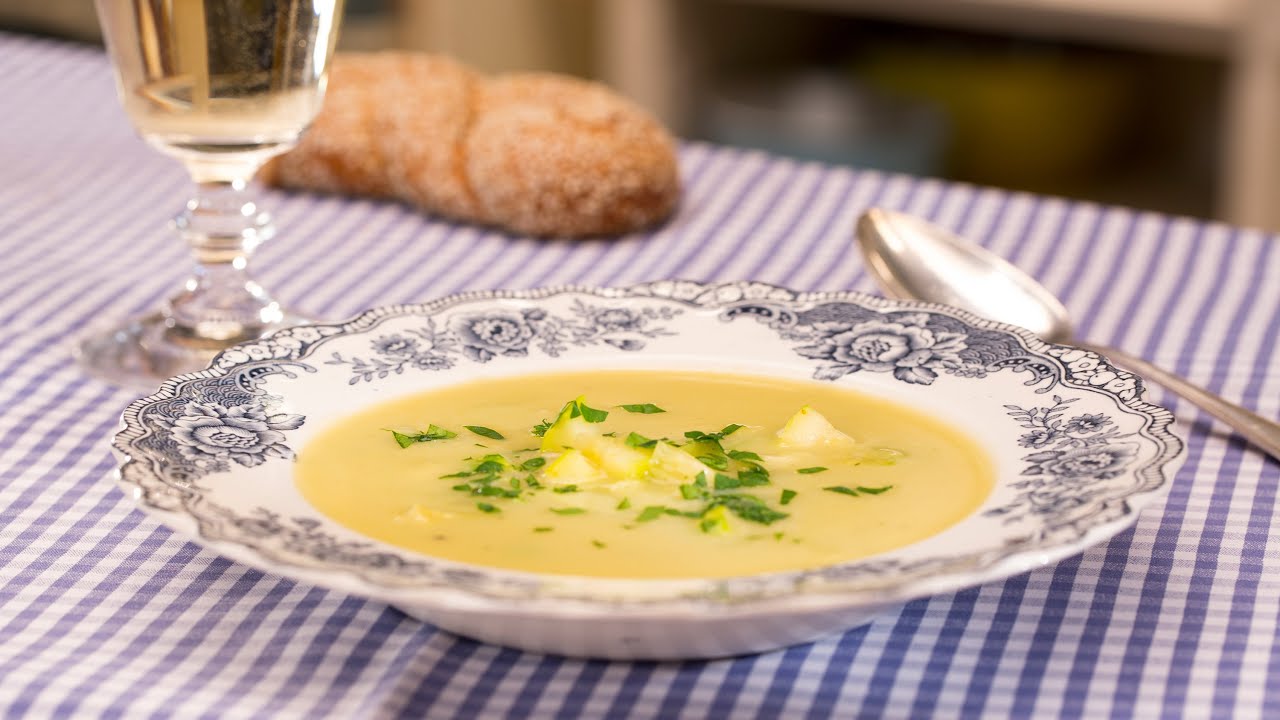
(653, 512)
(750, 508)
(717, 462)
(486, 507)
(532, 463)
(724, 482)
(540, 429)
(625, 504)
(714, 520)
(578, 408)
(568, 511)
(485, 432)
(565, 489)
(787, 496)
(598, 544)
(643, 408)
(811, 470)
(637, 440)
(855, 492)
(433, 432)
(491, 464)
(744, 456)
(690, 491)
(542, 529)
(752, 478)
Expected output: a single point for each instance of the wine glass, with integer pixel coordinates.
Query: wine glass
(221, 85)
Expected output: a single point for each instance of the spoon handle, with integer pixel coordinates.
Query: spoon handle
(1260, 431)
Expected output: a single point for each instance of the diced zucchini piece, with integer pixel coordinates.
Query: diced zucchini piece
(573, 467)
(674, 465)
(808, 428)
(569, 432)
(618, 460)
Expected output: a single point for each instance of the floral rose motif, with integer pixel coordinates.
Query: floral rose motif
(241, 433)
(906, 347)
(1037, 438)
(617, 319)
(395, 345)
(495, 333)
(1094, 461)
(1084, 424)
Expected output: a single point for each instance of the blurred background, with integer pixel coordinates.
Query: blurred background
(1169, 105)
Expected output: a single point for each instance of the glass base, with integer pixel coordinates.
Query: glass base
(151, 349)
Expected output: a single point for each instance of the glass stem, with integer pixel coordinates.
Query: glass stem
(220, 304)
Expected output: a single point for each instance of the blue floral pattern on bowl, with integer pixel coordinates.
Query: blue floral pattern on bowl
(1089, 451)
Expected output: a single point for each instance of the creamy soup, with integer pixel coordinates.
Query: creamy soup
(644, 474)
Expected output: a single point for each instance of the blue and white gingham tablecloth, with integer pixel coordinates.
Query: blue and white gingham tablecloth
(103, 612)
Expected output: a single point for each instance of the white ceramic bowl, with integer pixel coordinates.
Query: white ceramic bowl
(1077, 452)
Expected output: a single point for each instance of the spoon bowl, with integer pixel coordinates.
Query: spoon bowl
(912, 258)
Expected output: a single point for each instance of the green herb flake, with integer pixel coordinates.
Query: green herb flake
(485, 432)
(744, 456)
(750, 508)
(532, 463)
(540, 429)
(625, 504)
(787, 496)
(874, 490)
(490, 467)
(752, 478)
(811, 470)
(568, 511)
(643, 408)
(565, 489)
(714, 520)
(689, 491)
(486, 507)
(725, 482)
(717, 462)
(435, 432)
(590, 414)
(636, 440)
(599, 544)
(730, 429)
(543, 529)
(842, 490)
(653, 512)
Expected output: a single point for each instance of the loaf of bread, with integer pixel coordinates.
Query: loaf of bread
(534, 153)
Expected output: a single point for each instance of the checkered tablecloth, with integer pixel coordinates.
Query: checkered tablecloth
(103, 612)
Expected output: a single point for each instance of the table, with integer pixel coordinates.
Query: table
(103, 612)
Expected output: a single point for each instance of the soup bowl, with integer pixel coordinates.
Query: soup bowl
(1075, 450)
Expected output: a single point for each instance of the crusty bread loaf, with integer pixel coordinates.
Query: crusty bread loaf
(534, 153)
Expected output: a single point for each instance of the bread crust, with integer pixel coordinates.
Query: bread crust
(534, 153)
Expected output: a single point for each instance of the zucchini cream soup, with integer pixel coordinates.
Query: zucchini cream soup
(644, 475)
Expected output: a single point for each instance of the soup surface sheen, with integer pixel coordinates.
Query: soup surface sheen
(770, 488)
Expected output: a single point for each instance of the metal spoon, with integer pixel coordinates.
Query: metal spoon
(912, 258)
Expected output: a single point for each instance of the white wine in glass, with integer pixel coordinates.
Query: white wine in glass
(221, 85)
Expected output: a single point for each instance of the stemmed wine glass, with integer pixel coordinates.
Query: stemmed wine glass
(221, 85)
